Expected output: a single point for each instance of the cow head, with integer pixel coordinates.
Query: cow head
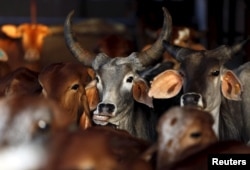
(181, 128)
(22, 81)
(202, 76)
(117, 82)
(32, 36)
(64, 83)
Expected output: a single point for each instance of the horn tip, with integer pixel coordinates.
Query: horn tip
(71, 13)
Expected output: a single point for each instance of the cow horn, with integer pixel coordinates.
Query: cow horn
(83, 55)
(152, 54)
(238, 47)
(177, 52)
(225, 52)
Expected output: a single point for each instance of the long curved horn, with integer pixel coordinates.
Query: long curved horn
(83, 55)
(177, 52)
(239, 46)
(155, 52)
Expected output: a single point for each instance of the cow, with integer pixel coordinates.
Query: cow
(65, 83)
(21, 81)
(180, 128)
(120, 89)
(209, 85)
(23, 44)
(26, 124)
(98, 147)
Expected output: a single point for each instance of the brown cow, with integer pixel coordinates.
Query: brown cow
(21, 81)
(181, 128)
(23, 44)
(64, 83)
(99, 148)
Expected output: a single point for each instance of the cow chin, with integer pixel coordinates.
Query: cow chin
(100, 119)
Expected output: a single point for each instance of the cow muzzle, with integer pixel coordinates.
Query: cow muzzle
(192, 99)
(103, 113)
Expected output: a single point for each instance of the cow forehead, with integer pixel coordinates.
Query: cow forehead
(115, 68)
(199, 60)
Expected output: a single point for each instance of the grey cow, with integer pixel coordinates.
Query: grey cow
(209, 85)
(118, 86)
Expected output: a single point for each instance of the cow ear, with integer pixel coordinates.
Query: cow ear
(92, 95)
(140, 92)
(91, 73)
(166, 85)
(85, 119)
(231, 86)
(12, 87)
(11, 31)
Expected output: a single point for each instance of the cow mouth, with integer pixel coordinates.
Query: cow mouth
(101, 118)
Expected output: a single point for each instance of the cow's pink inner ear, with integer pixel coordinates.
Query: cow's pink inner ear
(140, 93)
(166, 85)
(11, 31)
(231, 86)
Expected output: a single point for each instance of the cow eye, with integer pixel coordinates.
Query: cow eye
(130, 79)
(215, 73)
(43, 126)
(75, 86)
(195, 135)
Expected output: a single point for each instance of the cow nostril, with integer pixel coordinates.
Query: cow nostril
(106, 107)
(110, 107)
(191, 99)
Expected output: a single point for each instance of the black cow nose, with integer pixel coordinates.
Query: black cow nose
(106, 108)
(191, 99)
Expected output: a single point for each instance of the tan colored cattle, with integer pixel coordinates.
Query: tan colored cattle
(23, 44)
(179, 129)
(21, 81)
(99, 148)
(65, 83)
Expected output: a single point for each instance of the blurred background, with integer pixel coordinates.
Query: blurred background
(220, 21)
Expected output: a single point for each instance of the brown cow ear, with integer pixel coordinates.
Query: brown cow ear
(85, 121)
(11, 31)
(140, 92)
(166, 85)
(92, 95)
(231, 86)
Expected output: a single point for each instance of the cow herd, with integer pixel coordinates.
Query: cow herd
(167, 106)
